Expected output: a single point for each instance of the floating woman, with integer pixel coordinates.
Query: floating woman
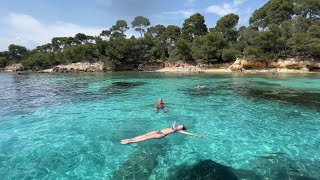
(160, 134)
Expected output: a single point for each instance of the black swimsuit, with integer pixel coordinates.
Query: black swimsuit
(160, 132)
(173, 129)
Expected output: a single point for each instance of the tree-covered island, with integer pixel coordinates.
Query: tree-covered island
(280, 28)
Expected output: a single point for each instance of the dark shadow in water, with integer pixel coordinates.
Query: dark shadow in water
(260, 91)
(221, 88)
(193, 92)
(208, 90)
(278, 166)
(142, 162)
(26, 92)
(208, 169)
(282, 95)
(120, 87)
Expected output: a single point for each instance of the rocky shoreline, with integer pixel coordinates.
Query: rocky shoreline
(288, 65)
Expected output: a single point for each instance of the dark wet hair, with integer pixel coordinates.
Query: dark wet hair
(184, 127)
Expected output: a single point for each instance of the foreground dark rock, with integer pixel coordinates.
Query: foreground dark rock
(209, 169)
(141, 163)
(206, 169)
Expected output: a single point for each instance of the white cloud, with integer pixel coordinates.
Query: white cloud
(221, 10)
(132, 32)
(226, 8)
(26, 30)
(238, 2)
(23, 20)
(184, 13)
(172, 15)
(105, 2)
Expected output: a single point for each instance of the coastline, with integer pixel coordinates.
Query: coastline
(227, 70)
(289, 65)
(185, 70)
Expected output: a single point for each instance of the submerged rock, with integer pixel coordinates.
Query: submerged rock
(126, 84)
(206, 169)
(199, 92)
(284, 95)
(279, 166)
(118, 87)
(140, 164)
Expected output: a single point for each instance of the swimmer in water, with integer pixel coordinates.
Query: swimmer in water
(159, 134)
(199, 87)
(160, 105)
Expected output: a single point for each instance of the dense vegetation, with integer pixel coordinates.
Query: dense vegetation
(278, 28)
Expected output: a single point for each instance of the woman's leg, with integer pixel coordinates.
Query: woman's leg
(145, 135)
(151, 135)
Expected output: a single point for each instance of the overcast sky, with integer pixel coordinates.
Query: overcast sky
(36, 22)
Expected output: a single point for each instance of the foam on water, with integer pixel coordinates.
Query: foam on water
(69, 125)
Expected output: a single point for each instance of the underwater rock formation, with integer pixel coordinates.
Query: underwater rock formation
(206, 169)
(283, 95)
(118, 87)
(279, 166)
(141, 163)
(125, 85)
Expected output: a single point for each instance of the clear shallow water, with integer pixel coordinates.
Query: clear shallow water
(69, 125)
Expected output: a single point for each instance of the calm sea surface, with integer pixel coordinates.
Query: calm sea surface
(56, 126)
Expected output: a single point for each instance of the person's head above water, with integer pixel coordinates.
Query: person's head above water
(160, 100)
(181, 127)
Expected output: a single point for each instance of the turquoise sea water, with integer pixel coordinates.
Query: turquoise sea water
(68, 126)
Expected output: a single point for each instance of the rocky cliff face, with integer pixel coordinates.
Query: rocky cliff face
(83, 67)
(280, 64)
(14, 67)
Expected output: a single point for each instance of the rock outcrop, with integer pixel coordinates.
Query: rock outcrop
(14, 67)
(83, 67)
(303, 65)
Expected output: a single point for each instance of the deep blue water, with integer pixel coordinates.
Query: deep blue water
(68, 126)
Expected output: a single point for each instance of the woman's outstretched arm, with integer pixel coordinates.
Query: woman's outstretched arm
(174, 125)
(190, 134)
